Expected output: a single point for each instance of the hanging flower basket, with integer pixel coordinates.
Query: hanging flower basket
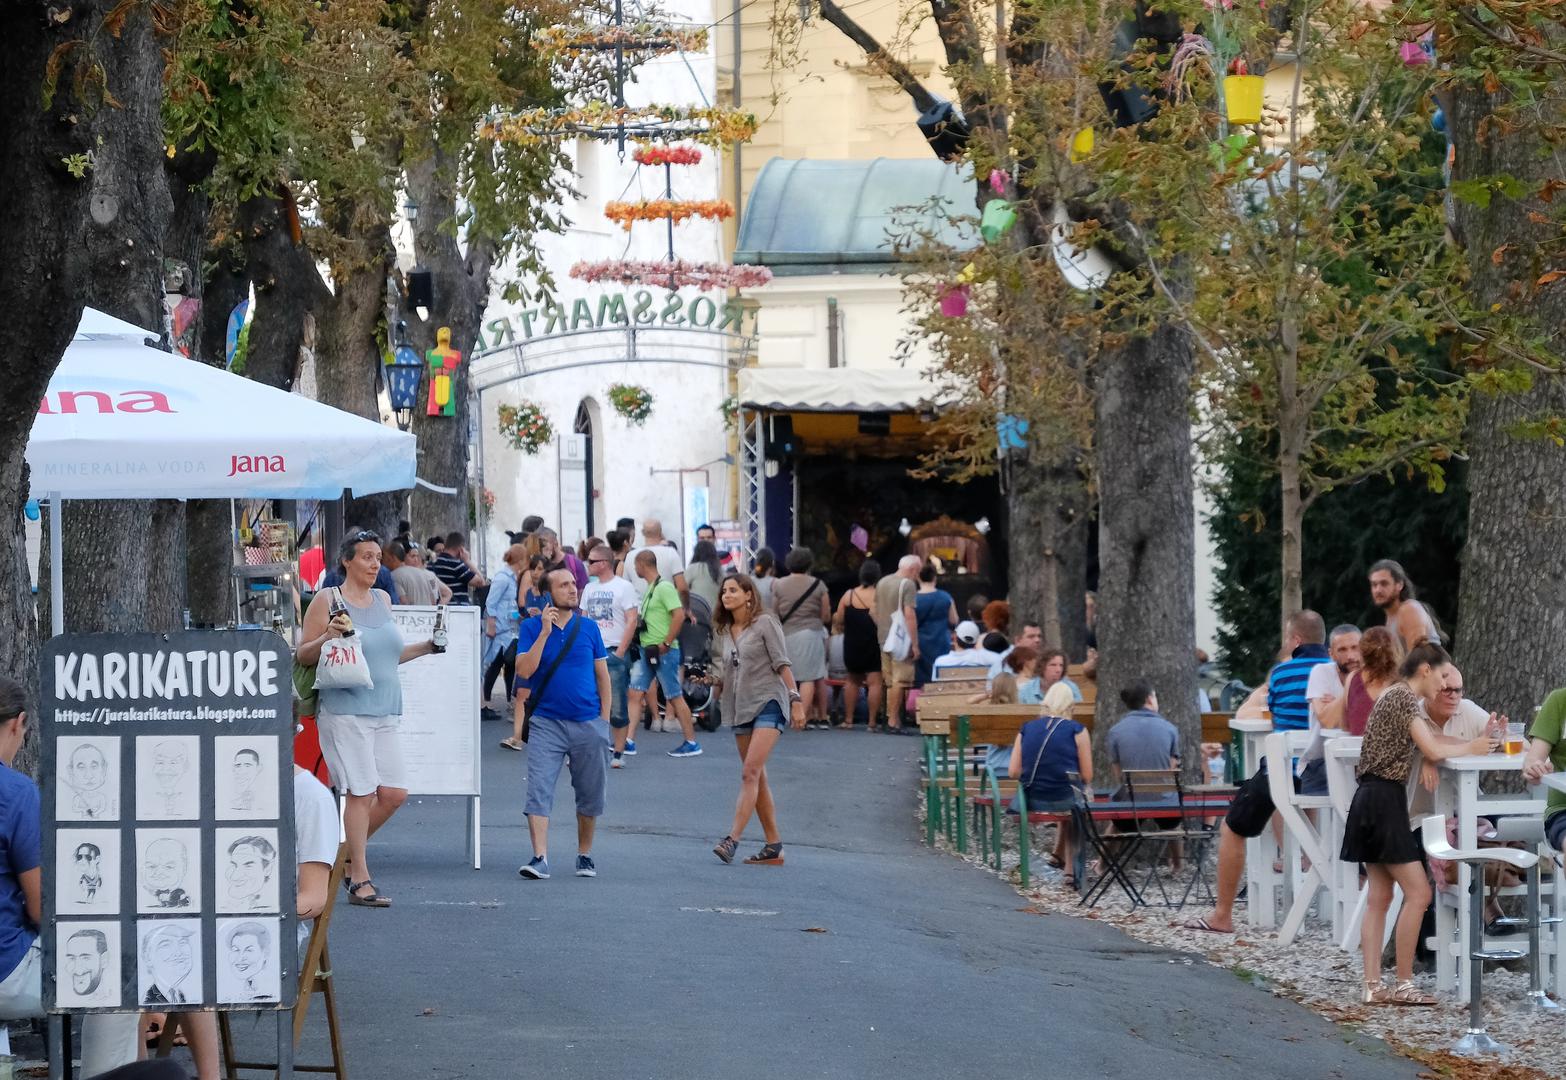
(640, 38)
(632, 402)
(672, 275)
(666, 155)
(625, 214)
(526, 427)
(1242, 94)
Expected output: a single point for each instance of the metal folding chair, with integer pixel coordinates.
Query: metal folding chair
(1113, 849)
(1156, 795)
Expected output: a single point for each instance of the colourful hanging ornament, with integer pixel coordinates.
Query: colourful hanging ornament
(997, 220)
(443, 361)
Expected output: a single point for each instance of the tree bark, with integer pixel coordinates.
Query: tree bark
(1291, 532)
(1146, 538)
(1046, 540)
(1513, 595)
(461, 284)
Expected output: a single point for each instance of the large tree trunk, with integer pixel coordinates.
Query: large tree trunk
(1292, 531)
(1513, 596)
(1046, 540)
(1146, 538)
(289, 291)
(461, 284)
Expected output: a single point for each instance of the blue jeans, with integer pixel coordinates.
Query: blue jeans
(770, 716)
(619, 682)
(667, 672)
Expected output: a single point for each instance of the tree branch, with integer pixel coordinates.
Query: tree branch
(889, 65)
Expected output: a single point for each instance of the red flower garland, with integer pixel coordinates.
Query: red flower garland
(674, 274)
(666, 155)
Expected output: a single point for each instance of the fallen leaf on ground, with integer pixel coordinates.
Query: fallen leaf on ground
(815, 930)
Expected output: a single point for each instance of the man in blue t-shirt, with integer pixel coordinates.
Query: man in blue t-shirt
(1304, 646)
(562, 663)
(21, 875)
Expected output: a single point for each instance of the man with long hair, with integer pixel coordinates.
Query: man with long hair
(1394, 594)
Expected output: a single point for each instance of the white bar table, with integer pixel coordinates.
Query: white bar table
(1262, 884)
(1458, 795)
(1342, 757)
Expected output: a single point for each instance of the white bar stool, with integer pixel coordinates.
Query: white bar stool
(1476, 1040)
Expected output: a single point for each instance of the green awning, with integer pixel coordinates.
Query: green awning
(821, 216)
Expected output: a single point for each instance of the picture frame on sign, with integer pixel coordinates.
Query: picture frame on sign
(244, 777)
(168, 871)
(87, 773)
(87, 972)
(168, 961)
(247, 871)
(249, 960)
(89, 875)
(168, 777)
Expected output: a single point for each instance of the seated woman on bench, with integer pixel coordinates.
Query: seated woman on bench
(1046, 750)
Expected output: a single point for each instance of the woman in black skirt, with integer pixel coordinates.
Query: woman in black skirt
(1377, 832)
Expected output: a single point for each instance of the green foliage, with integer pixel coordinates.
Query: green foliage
(1346, 531)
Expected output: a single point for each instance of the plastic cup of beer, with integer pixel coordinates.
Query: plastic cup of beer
(1514, 742)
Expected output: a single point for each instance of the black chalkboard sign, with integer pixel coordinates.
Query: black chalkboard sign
(168, 821)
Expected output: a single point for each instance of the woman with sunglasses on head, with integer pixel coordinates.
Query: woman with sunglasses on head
(358, 727)
(759, 698)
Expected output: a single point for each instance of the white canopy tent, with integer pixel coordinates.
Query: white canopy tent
(122, 420)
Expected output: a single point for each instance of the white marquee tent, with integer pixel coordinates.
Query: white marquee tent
(122, 420)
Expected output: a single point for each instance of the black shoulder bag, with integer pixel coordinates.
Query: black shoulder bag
(806, 595)
(536, 694)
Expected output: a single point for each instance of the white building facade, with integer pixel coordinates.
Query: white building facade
(563, 354)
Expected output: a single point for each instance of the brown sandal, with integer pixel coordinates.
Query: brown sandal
(769, 855)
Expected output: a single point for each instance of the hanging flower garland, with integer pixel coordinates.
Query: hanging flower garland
(646, 37)
(672, 275)
(666, 155)
(625, 214)
(632, 402)
(526, 427)
(599, 119)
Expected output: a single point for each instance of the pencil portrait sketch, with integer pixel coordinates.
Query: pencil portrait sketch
(87, 774)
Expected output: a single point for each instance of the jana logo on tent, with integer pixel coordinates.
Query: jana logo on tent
(72, 402)
(239, 463)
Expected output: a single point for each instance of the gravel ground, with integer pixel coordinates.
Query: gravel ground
(1317, 973)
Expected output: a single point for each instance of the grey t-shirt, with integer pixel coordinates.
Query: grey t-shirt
(1143, 740)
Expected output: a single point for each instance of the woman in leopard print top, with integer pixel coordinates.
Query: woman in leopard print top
(1377, 831)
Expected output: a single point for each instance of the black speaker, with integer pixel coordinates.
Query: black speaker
(945, 129)
(421, 288)
(1130, 105)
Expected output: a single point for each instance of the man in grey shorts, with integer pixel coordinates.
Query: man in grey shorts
(562, 662)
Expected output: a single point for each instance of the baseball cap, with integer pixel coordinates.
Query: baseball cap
(968, 632)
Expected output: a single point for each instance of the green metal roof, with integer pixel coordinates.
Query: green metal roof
(828, 214)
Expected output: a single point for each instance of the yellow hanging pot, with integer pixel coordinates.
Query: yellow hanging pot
(1242, 94)
(1081, 145)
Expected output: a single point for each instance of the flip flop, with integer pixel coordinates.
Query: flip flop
(1205, 926)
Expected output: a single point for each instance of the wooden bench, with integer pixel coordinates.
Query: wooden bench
(971, 726)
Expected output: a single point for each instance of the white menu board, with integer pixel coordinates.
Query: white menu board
(440, 702)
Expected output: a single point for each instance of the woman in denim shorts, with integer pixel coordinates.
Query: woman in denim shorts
(758, 690)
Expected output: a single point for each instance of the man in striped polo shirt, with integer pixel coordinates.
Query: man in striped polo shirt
(1304, 646)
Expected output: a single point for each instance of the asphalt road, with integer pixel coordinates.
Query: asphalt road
(867, 955)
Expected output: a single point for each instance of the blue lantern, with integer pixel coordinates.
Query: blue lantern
(402, 383)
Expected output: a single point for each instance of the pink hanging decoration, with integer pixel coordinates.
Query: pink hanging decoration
(1413, 54)
(999, 178)
(859, 538)
(954, 302)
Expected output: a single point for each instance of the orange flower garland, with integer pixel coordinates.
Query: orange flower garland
(625, 214)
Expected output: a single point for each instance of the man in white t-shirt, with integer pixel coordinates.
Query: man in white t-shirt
(1326, 685)
(967, 653)
(611, 602)
(671, 567)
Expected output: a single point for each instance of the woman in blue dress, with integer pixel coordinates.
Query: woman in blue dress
(936, 613)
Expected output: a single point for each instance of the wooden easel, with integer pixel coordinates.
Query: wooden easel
(315, 977)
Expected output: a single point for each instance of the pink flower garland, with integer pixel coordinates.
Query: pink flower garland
(673, 274)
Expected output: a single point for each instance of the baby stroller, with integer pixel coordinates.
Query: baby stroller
(696, 651)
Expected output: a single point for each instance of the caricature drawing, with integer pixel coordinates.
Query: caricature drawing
(164, 863)
(89, 872)
(248, 953)
(252, 861)
(246, 769)
(168, 959)
(86, 960)
(170, 763)
(87, 773)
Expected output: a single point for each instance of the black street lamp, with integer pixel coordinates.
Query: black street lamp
(403, 375)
